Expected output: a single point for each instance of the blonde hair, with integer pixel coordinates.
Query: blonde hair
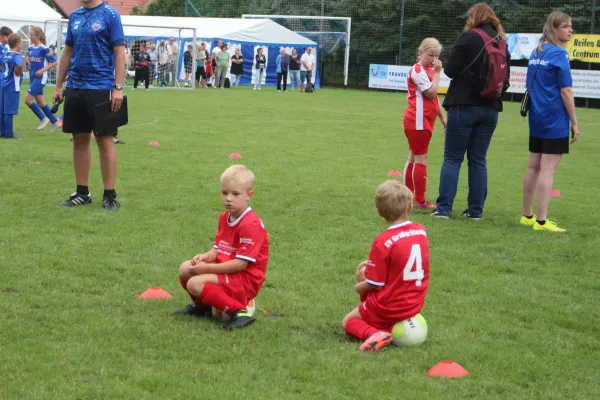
(37, 31)
(238, 174)
(13, 40)
(393, 200)
(481, 14)
(553, 22)
(428, 44)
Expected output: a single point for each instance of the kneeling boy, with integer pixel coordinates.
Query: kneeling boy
(392, 284)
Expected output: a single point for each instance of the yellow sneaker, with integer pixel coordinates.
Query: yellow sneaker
(528, 221)
(548, 226)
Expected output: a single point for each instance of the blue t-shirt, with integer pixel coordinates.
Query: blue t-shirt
(3, 50)
(10, 82)
(93, 34)
(39, 57)
(548, 118)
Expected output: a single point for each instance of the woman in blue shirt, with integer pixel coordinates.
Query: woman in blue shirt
(552, 107)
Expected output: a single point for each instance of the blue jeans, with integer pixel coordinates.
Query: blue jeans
(469, 130)
(295, 78)
(236, 79)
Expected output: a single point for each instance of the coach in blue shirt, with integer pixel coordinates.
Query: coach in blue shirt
(552, 107)
(94, 58)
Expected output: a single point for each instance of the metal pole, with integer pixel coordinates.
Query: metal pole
(185, 2)
(592, 29)
(401, 33)
(347, 55)
(254, 6)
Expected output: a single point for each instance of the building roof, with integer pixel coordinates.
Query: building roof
(124, 7)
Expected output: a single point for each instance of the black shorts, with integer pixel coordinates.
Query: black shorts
(200, 72)
(549, 146)
(79, 113)
(188, 68)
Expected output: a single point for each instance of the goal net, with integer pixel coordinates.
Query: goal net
(331, 33)
(172, 52)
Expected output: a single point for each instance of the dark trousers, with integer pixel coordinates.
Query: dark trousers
(284, 76)
(141, 74)
(469, 131)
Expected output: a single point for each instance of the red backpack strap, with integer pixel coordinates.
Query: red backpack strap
(486, 38)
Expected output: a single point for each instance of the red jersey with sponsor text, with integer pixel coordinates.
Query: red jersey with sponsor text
(399, 265)
(421, 112)
(246, 239)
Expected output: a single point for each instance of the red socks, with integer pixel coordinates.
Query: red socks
(215, 296)
(419, 179)
(359, 329)
(408, 176)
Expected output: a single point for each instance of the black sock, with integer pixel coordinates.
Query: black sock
(542, 222)
(109, 193)
(528, 216)
(83, 190)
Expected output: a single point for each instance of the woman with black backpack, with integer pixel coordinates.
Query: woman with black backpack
(479, 66)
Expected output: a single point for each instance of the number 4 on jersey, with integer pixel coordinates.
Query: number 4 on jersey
(413, 271)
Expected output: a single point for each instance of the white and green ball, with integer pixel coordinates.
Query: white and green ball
(410, 332)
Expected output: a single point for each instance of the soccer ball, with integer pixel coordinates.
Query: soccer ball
(223, 316)
(410, 332)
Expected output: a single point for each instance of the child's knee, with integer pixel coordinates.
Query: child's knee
(195, 286)
(184, 269)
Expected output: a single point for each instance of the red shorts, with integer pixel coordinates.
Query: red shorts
(373, 320)
(236, 286)
(418, 141)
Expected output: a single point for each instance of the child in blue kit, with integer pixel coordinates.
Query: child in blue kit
(11, 86)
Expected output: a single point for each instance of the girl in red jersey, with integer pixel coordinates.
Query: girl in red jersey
(419, 117)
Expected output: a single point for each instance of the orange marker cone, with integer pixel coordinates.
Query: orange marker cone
(155, 293)
(555, 193)
(235, 155)
(447, 369)
(394, 173)
(153, 143)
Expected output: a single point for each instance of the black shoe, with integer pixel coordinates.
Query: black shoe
(11, 137)
(55, 107)
(471, 217)
(239, 319)
(77, 199)
(195, 311)
(437, 214)
(117, 141)
(110, 203)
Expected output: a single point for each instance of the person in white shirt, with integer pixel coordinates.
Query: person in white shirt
(164, 54)
(173, 57)
(213, 57)
(307, 64)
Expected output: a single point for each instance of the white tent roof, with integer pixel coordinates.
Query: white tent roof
(19, 14)
(261, 31)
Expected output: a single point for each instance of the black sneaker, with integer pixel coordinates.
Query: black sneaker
(195, 311)
(471, 217)
(77, 199)
(239, 319)
(117, 141)
(437, 214)
(110, 202)
(55, 106)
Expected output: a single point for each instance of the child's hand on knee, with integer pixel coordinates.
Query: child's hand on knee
(360, 271)
(198, 258)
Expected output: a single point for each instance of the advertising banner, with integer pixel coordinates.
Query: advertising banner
(584, 47)
(520, 45)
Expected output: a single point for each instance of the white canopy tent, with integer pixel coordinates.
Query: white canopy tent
(19, 15)
(257, 31)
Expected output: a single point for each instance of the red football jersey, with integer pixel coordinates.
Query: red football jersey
(421, 112)
(399, 265)
(246, 239)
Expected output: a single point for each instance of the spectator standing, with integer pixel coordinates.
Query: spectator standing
(141, 64)
(261, 67)
(173, 58)
(151, 47)
(283, 62)
(164, 56)
(472, 118)
(295, 70)
(306, 68)
(201, 57)
(187, 64)
(222, 66)
(237, 67)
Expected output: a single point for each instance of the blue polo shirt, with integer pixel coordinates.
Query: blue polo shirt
(548, 118)
(93, 34)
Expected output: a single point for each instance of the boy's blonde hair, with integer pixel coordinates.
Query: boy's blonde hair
(428, 44)
(13, 40)
(393, 200)
(239, 174)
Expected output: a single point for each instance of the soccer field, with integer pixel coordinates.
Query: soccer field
(518, 309)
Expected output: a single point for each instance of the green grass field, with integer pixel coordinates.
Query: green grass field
(515, 307)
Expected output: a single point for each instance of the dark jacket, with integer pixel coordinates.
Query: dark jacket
(465, 86)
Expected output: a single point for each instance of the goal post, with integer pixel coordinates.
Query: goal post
(164, 71)
(327, 32)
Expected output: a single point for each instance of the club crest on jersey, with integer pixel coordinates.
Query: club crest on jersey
(96, 26)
